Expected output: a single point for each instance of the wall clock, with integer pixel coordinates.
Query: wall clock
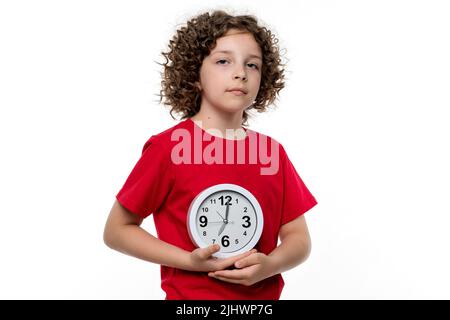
(226, 214)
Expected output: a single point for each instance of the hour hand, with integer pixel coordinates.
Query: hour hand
(221, 228)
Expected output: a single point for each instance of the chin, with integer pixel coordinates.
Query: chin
(233, 107)
(233, 110)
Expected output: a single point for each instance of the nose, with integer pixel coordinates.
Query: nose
(240, 73)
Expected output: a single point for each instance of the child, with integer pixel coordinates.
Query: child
(218, 68)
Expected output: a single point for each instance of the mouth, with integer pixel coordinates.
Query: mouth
(237, 91)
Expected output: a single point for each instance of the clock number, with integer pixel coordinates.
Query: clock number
(203, 221)
(205, 209)
(225, 241)
(236, 241)
(213, 201)
(228, 198)
(245, 233)
(214, 241)
(204, 233)
(247, 221)
(245, 209)
(237, 200)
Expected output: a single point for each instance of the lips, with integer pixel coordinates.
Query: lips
(238, 90)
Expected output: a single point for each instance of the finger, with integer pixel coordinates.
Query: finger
(247, 261)
(227, 280)
(231, 274)
(225, 263)
(205, 253)
(243, 255)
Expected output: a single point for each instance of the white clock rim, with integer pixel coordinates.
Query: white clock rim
(192, 212)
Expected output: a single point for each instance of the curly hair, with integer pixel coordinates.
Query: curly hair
(192, 43)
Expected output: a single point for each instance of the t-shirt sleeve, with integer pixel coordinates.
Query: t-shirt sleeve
(297, 199)
(150, 181)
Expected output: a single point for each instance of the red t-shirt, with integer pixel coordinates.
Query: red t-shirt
(166, 188)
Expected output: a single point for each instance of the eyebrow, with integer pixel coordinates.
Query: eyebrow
(228, 51)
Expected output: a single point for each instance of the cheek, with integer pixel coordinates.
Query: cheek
(207, 75)
(259, 77)
(214, 85)
(256, 83)
(255, 77)
(215, 81)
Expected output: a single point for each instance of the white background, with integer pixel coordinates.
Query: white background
(364, 118)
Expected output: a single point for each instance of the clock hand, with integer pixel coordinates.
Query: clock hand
(226, 212)
(221, 228)
(232, 222)
(220, 215)
(225, 222)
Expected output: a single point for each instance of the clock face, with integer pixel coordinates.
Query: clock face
(228, 215)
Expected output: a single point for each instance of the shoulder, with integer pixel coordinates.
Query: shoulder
(163, 138)
(272, 143)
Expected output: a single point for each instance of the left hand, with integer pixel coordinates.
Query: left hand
(251, 269)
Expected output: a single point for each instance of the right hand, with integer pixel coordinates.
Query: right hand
(201, 259)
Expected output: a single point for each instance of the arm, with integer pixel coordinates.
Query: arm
(295, 245)
(123, 233)
(294, 249)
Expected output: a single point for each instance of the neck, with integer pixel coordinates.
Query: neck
(228, 125)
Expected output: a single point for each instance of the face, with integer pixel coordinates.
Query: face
(241, 217)
(235, 63)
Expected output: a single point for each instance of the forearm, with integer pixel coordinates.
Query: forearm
(135, 241)
(292, 251)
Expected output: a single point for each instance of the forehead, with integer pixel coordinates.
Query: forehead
(237, 41)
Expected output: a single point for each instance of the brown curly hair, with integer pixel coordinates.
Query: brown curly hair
(192, 43)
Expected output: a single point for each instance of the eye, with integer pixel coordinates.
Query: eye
(252, 64)
(221, 61)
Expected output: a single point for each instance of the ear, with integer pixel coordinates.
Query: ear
(198, 85)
